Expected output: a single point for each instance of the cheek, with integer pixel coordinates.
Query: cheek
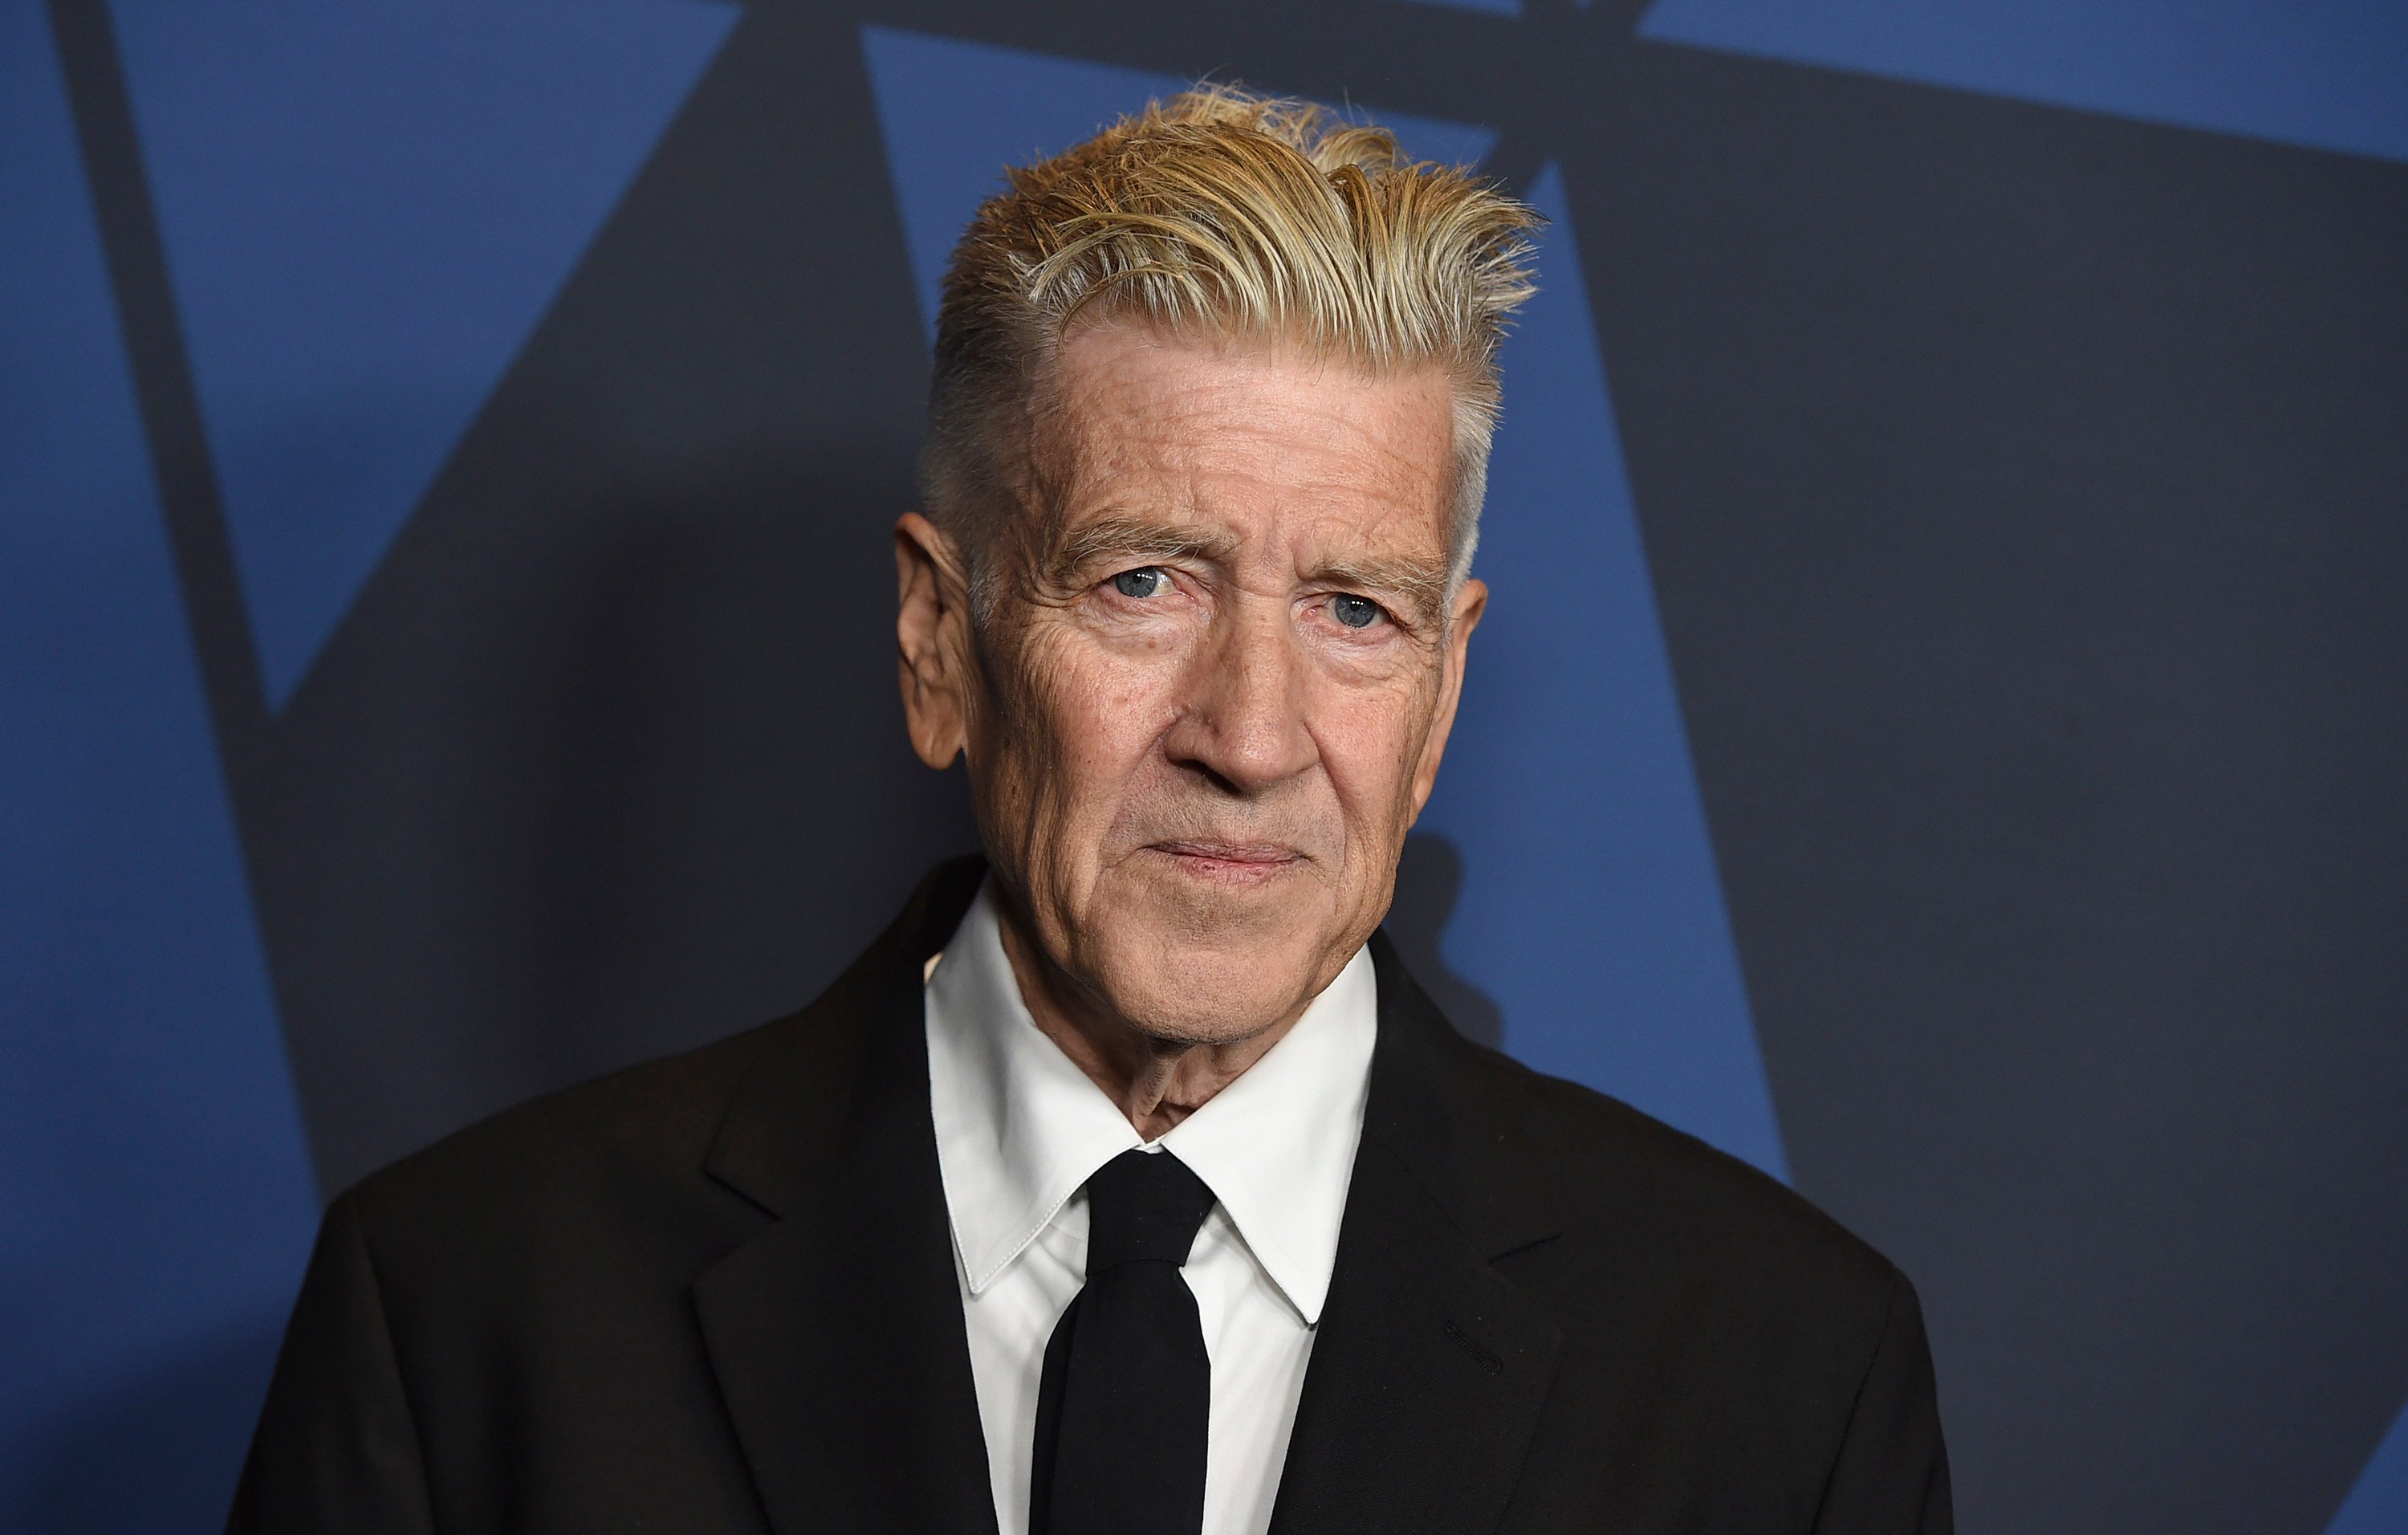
(1100, 707)
(1370, 740)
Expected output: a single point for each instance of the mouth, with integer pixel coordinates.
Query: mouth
(1230, 863)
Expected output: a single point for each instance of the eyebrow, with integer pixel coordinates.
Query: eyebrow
(1135, 537)
(1416, 580)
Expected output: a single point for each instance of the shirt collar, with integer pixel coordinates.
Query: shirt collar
(1020, 1127)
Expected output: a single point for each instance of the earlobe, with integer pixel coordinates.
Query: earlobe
(930, 604)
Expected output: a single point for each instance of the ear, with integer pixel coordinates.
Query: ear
(1470, 602)
(932, 635)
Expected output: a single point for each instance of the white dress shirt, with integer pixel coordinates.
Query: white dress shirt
(1019, 1129)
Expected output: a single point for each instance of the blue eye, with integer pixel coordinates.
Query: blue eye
(1353, 612)
(1146, 582)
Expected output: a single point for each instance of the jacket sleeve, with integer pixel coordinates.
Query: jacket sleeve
(1891, 1477)
(336, 1448)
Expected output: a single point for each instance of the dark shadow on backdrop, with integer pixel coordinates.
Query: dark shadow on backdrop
(1429, 877)
(606, 759)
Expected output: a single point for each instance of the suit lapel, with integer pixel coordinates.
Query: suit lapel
(1430, 1369)
(836, 1332)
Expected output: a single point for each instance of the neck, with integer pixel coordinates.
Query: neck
(1156, 1082)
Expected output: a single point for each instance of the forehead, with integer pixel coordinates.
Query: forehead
(1266, 441)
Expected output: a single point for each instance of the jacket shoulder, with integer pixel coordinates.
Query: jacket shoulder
(660, 1167)
(1609, 1173)
(612, 1165)
(1752, 1363)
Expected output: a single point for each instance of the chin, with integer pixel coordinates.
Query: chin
(1214, 982)
(1216, 1008)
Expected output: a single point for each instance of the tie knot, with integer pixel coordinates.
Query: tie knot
(1144, 1205)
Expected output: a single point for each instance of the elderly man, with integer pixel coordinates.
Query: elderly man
(1128, 1185)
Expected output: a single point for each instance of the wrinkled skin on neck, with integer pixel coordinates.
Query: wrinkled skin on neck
(1210, 698)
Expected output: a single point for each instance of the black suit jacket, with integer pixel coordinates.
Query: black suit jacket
(717, 1293)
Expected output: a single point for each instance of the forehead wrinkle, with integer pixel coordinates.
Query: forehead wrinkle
(1113, 412)
(1248, 468)
(1232, 396)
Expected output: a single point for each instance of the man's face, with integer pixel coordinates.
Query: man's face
(1213, 691)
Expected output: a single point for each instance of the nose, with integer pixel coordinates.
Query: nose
(1244, 722)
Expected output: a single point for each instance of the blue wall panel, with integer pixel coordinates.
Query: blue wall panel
(2329, 75)
(2378, 1504)
(158, 1201)
(366, 211)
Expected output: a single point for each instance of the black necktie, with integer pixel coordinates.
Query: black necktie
(1127, 1390)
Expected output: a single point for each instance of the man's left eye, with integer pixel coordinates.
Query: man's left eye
(1146, 582)
(1353, 612)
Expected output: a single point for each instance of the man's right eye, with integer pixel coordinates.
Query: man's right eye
(1150, 580)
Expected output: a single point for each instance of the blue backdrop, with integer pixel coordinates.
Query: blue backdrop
(1937, 734)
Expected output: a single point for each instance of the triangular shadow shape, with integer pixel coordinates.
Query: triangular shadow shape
(366, 211)
(1592, 910)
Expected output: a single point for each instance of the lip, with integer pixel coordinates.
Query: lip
(1233, 861)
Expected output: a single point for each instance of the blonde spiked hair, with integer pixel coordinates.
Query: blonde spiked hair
(1221, 214)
